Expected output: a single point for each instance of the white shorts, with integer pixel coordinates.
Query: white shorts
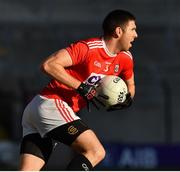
(42, 115)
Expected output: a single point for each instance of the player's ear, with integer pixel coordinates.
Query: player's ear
(118, 32)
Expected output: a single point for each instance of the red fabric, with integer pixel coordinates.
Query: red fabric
(90, 62)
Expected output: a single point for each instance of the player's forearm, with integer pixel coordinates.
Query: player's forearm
(131, 86)
(131, 89)
(58, 72)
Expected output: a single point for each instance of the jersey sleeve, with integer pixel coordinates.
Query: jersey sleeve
(128, 66)
(78, 52)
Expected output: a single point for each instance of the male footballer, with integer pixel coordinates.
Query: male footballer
(75, 71)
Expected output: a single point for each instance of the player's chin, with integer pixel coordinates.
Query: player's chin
(130, 45)
(127, 49)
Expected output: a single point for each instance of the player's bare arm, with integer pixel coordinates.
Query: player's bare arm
(131, 86)
(55, 66)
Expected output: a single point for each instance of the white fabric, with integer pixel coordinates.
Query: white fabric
(42, 115)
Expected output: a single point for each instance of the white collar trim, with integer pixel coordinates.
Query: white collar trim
(106, 49)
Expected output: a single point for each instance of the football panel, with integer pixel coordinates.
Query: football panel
(115, 90)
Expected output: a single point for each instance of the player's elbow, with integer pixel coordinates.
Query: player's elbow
(46, 67)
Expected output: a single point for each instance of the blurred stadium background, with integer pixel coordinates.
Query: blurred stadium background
(146, 136)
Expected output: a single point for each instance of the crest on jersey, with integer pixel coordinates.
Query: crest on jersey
(116, 68)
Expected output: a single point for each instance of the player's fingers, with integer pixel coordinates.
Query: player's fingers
(99, 101)
(114, 108)
(95, 105)
(88, 106)
(128, 95)
(103, 96)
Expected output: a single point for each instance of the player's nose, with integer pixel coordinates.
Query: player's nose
(135, 35)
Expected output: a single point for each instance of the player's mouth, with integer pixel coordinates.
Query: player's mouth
(131, 42)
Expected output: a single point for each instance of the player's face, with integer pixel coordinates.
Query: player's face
(128, 35)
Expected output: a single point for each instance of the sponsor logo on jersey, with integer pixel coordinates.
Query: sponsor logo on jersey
(93, 78)
(72, 130)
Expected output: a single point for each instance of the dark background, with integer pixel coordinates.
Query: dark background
(146, 136)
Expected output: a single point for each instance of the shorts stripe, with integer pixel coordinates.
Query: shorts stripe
(63, 111)
(60, 110)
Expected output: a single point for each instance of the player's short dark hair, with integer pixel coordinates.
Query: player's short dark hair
(115, 19)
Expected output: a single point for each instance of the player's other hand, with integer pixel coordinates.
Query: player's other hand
(128, 102)
(89, 93)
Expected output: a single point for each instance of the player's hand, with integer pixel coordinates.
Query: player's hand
(128, 102)
(89, 93)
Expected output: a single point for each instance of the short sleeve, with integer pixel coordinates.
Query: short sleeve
(128, 66)
(78, 52)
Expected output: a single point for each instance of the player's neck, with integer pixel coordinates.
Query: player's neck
(110, 47)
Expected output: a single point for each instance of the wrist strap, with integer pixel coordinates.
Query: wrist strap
(82, 89)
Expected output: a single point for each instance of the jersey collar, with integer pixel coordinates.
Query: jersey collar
(106, 49)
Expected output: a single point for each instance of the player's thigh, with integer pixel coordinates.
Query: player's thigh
(35, 150)
(68, 133)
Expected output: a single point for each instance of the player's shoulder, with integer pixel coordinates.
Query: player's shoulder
(78, 45)
(88, 42)
(126, 54)
(93, 42)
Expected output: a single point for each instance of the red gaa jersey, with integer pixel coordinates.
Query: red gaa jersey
(91, 61)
